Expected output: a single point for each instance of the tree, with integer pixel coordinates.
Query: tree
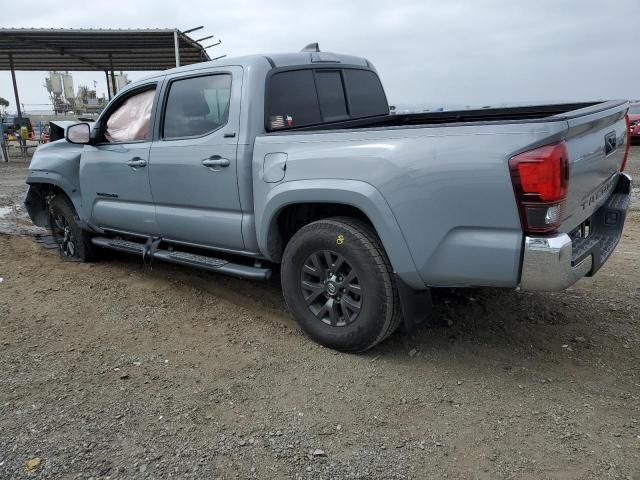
(4, 103)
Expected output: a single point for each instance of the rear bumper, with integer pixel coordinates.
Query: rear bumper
(555, 262)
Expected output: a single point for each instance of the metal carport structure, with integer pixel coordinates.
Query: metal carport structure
(97, 50)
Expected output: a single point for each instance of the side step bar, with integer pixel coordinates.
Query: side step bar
(189, 259)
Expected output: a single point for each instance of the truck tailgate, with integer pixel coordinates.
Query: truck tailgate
(596, 141)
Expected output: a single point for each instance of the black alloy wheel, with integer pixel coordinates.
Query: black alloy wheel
(331, 288)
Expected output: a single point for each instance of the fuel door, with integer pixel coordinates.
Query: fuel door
(274, 167)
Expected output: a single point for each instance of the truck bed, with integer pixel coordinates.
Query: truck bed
(484, 115)
(445, 177)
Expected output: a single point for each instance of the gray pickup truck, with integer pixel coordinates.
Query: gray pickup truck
(241, 164)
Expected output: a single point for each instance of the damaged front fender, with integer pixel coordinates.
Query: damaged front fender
(36, 205)
(54, 170)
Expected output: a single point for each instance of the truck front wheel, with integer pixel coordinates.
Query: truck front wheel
(73, 242)
(339, 285)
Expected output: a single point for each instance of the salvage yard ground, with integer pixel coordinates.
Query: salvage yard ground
(116, 370)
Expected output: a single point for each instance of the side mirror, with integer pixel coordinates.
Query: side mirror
(79, 133)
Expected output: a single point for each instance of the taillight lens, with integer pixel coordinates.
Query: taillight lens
(628, 145)
(541, 182)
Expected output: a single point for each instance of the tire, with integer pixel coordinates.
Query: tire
(73, 242)
(339, 285)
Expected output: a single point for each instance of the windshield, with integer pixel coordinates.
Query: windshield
(634, 109)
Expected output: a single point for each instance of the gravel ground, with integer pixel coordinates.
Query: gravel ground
(115, 370)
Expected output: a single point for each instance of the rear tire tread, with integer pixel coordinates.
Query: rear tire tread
(372, 243)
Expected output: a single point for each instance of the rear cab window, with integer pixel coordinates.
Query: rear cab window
(313, 96)
(293, 98)
(366, 95)
(333, 104)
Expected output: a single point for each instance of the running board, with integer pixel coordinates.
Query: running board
(189, 259)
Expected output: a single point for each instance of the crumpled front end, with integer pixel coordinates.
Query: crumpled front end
(54, 169)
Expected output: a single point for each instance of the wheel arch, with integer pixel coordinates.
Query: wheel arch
(41, 191)
(326, 198)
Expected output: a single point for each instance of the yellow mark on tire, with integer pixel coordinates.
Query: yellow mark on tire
(340, 239)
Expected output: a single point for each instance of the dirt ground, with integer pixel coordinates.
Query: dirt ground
(115, 370)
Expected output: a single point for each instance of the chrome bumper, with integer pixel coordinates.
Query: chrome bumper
(555, 262)
(547, 264)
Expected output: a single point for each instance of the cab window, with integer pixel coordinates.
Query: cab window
(197, 106)
(304, 97)
(293, 100)
(333, 104)
(130, 121)
(365, 92)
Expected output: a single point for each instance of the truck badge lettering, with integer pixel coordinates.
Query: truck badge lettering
(598, 194)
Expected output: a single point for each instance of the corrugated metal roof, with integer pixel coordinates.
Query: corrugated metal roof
(89, 49)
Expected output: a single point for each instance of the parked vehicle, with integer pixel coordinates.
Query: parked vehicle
(14, 123)
(634, 122)
(293, 159)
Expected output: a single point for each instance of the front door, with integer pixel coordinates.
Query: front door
(114, 170)
(193, 161)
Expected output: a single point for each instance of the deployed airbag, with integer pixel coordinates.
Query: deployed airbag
(130, 121)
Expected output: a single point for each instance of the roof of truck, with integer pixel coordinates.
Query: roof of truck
(276, 60)
(307, 58)
(280, 60)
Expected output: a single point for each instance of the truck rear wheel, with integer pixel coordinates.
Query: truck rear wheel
(339, 285)
(73, 242)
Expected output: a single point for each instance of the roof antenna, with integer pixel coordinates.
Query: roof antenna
(312, 47)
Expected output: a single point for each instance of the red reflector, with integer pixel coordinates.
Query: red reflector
(541, 181)
(628, 145)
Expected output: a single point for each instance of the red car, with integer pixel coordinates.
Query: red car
(634, 122)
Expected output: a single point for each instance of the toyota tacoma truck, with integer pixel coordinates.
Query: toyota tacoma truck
(292, 162)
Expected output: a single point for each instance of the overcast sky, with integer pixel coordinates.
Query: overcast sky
(476, 52)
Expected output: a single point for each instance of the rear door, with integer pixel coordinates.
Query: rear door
(194, 159)
(596, 142)
(114, 171)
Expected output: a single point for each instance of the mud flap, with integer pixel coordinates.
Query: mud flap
(417, 306)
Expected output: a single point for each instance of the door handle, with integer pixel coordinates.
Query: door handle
(137, 162)
(216, 161)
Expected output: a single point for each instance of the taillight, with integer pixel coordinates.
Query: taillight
(628, 145)
(541, 182)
